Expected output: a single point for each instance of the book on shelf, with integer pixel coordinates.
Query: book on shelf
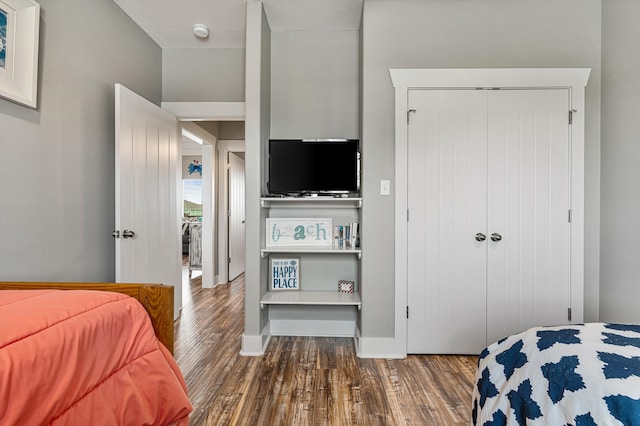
(346, 236)
(354, 239)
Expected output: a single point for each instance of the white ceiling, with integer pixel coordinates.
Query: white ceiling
(170, 22)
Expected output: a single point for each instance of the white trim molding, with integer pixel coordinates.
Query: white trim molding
(489, 77)
(311, 327)
(380, 347)
(202, 111)
(574, 79)
(255, 345)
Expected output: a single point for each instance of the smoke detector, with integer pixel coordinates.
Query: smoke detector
(200, 31)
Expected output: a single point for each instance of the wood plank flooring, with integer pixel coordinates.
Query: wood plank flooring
(306, 380)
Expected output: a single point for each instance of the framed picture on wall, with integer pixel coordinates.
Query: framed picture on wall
(19, 32)
(284, 273)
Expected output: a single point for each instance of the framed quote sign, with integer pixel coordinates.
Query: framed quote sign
(284, 273)
(304, 232)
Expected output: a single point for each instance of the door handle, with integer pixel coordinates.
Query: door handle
(115, 234)
(496, 237)
(480, 236)
(128, 234)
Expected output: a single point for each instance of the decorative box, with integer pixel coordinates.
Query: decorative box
(345, 286)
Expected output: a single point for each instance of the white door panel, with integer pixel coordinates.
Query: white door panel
(236, 216)
(447, 207)
(490, 162)
(528, 270)
(146, 193)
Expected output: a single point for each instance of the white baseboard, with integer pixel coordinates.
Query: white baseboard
(254, 345)
(379, 347)
(319, 328)
(217, 282)
(366, 347)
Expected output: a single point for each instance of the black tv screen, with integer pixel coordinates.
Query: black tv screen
(318, 166)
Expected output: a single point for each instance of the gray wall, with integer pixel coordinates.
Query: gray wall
(620, 242)
(198, 75)
(266, 93)
(463, 34)
(57, 162)
(211, 127)
(231, 130)
(315, 78)
(257, 132)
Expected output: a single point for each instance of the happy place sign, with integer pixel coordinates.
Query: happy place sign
(285, 273)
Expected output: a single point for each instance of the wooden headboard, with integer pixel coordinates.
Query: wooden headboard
(157, 299)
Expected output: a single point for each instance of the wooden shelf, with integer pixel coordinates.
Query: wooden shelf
(310, 250)
(315, 202)
(301, 297)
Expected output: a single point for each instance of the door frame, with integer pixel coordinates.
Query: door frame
(208, 111)
(233, 237)
(574, 79)
(224, 147)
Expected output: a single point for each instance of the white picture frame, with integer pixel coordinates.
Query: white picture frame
(284, 273)
(19, 41)
(299, 232)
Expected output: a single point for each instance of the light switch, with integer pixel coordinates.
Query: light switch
(385, 187)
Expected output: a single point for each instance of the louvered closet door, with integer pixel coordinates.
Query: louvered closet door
(447, 200)
(528, 187)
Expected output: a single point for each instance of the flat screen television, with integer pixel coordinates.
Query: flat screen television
(299, 166)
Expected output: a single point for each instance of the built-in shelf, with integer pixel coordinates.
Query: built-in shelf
(310, 250)
(315, 202)
(332, 298)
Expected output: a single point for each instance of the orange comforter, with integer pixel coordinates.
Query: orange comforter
(84, 358)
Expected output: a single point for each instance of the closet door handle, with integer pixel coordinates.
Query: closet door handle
(480, 236)
(128, 234)
(496, 237)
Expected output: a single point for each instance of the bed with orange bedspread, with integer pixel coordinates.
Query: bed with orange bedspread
(84, 357)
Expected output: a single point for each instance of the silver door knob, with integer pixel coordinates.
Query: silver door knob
(128, 234)
(496, 237)
(480, 236)
(115, 234)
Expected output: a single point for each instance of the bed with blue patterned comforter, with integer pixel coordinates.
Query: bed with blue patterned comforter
(578, 375)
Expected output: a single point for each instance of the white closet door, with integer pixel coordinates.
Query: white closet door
(528, 185)
(447, 199)
(236, 217)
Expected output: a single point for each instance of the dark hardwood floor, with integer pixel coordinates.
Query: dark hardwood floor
(307, 380)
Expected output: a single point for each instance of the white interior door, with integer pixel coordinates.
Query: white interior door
(447, 201)
(236, 216)
(529, 197)
(147, 203)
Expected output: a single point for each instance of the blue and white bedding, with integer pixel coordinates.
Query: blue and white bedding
(578, 375)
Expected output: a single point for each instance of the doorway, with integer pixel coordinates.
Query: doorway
(224, 120)
(231, 208)
(236, 223)
(220, 164)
